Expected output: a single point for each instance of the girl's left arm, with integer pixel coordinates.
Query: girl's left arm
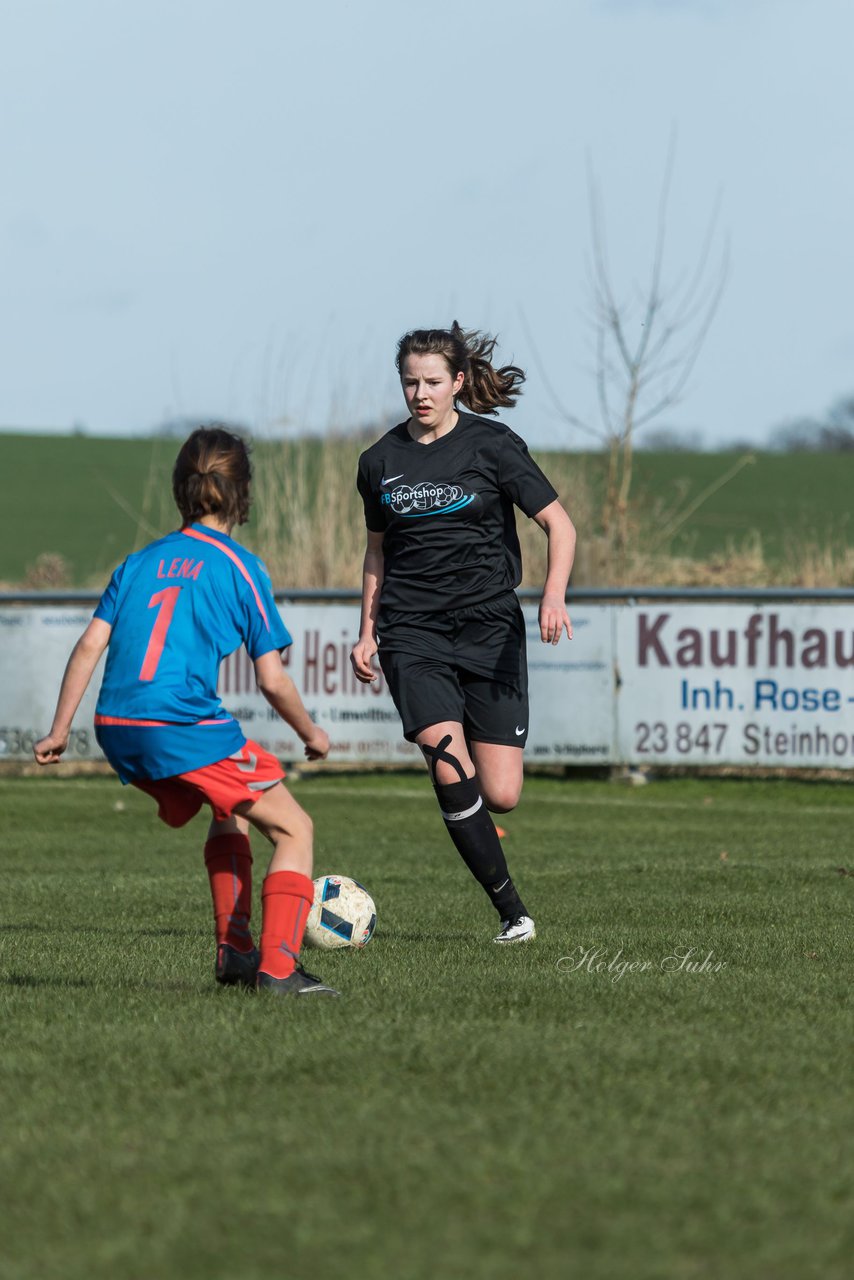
(560, 531)
(84, 659)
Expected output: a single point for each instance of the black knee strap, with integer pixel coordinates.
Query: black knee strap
(434, 754)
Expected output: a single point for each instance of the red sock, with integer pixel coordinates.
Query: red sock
(228, 860)
(287, 897)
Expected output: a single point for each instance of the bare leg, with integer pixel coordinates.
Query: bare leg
(285, 824)
(228, 827)
(499, 772)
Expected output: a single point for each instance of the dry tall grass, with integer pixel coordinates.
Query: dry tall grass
(308, 526)
(648, 559)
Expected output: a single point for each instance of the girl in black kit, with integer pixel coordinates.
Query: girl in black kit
(438, 599)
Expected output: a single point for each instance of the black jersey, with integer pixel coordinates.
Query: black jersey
(446, 509)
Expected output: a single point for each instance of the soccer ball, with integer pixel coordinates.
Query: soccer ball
(342, 915)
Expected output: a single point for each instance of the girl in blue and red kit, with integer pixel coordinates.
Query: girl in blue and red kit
(169, 616)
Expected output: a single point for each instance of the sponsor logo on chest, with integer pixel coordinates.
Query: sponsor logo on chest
(426, 499)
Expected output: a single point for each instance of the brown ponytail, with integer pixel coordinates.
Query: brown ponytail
(470, 353)
(211, 476)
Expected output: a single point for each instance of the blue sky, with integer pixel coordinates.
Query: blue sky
(235, 210)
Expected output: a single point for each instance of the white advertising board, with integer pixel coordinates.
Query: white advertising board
(571, 688)
(34, 648)
(735, 684)
(641, 683)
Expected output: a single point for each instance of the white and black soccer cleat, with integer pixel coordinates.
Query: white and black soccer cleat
(519, 929)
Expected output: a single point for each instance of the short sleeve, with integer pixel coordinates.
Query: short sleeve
(374, 518)
(106, 606)
(265, 630)
(520, 477)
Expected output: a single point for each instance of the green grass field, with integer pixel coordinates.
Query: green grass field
(462, 1110)
(92, 500)
(785, 498)
(81, 497)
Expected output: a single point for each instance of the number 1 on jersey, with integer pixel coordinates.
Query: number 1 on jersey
(166, 599)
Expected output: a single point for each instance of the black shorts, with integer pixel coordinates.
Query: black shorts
(468, 666)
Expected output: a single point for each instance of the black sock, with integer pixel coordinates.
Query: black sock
(472, 830)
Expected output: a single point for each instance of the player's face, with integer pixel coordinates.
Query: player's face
(429, 388)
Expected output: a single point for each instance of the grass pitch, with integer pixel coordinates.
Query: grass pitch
(463, 1110)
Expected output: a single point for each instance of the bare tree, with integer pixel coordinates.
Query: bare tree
(646, 344)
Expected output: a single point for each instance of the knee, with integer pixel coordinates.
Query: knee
(501, 797)
(447, 765)
(297, 825)
(444, 775)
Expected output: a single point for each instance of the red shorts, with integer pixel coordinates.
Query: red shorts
(224, 785)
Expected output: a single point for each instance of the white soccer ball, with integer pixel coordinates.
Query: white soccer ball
(342, 914)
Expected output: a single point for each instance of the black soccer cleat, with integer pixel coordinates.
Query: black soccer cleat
(298, 983)
(236, 968)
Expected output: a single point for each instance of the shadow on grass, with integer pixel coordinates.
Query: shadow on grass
(29, 981)
(99, 929)
(388, 934)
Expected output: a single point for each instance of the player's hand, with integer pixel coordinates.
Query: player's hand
(362, 653)
(554, 620)
(317, 746)
(48, 750)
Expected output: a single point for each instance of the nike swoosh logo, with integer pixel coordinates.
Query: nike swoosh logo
(518, 732)
(388, 479)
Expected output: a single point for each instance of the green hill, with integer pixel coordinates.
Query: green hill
(785, 498)
(80, 498)
(92, 500)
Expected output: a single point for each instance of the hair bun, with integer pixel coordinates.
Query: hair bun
(212, 475)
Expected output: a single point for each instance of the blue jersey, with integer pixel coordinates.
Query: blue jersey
(176, 609)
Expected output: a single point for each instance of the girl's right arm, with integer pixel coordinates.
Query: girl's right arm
(281, 693)
(372, 580)
(84, 659)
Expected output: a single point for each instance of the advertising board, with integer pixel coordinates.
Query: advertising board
(674, 683)
(735, 684)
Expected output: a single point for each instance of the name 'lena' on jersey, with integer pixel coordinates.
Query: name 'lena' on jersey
(180, 568)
